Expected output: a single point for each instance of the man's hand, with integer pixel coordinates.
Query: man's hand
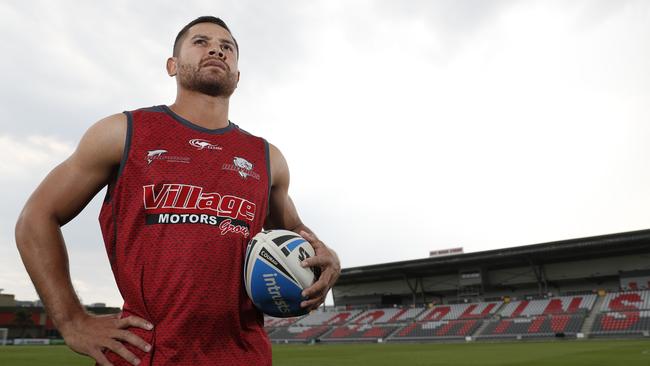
(90, 335)
(330, 269)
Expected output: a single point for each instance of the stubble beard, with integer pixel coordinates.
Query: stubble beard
(220, 84)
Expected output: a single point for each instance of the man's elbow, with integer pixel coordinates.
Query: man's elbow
(28, 222)
(23, 225)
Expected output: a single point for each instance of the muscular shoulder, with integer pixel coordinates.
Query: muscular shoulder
(103, 143)
(279, 167)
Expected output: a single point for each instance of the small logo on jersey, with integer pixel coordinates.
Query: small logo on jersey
(154, 154)
(243, 167)
(204, 144)
(160, 155)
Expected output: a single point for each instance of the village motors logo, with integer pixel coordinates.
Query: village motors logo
(201, 144)
(187, 204)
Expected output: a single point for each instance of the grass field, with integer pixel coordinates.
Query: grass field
(573, 353)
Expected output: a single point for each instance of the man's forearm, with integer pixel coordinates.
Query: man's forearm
(42, 249)
(301, 227)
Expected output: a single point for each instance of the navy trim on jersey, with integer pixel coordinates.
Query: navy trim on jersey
(245, 132)
(125, 155)
(153, 108)
(191, 125)
(113, 255)
(127, 143)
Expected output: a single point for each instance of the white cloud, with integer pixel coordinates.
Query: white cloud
(24, 158)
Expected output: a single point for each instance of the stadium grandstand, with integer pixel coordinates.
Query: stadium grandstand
(578, 288)
(581, 288)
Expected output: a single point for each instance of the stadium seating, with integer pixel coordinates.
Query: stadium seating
(623, 301)
(623, 314)
(271, 322)
(321, 317)
(622, 323)
(555, 305)
(535, 326)
(297, 334)
(441, 329)
(459, 311)
(387, 315)
(360, 332)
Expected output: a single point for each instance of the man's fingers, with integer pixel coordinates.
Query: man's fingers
(317, 261)
(306, 235)
(312, 303)
(125, 335)
(319, 287)
(134, 321)
(123, 352)
(315, 243)
(100, 358)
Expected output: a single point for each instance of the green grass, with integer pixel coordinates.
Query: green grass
(611, 353)
(41, 356)
(560, 353)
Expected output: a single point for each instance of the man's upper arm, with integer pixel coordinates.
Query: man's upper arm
(282, 211)
(73, 183)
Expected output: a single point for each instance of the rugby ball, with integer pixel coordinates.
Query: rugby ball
(273, 276)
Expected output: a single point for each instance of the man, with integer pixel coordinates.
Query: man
(186, 191)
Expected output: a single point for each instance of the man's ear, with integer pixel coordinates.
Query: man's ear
(171, 66)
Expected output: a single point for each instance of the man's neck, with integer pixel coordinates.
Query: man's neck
(202, 110)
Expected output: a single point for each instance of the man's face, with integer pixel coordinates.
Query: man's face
(206, 61)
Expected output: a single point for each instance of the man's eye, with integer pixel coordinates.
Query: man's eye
(199, 41)
(227, 47)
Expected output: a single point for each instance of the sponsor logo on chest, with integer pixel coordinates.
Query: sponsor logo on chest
(189, 204)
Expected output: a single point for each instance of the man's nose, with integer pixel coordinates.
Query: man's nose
(217, 52)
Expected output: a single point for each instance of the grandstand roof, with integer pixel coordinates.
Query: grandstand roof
(632, 242)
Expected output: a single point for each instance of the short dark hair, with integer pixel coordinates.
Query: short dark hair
(202, 19)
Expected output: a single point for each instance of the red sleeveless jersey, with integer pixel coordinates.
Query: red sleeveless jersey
(176, 224)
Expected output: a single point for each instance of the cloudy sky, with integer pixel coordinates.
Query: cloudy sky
(408, 126)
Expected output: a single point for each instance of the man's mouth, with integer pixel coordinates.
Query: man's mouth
(216, 63)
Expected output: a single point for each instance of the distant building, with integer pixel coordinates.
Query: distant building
(7, 300)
